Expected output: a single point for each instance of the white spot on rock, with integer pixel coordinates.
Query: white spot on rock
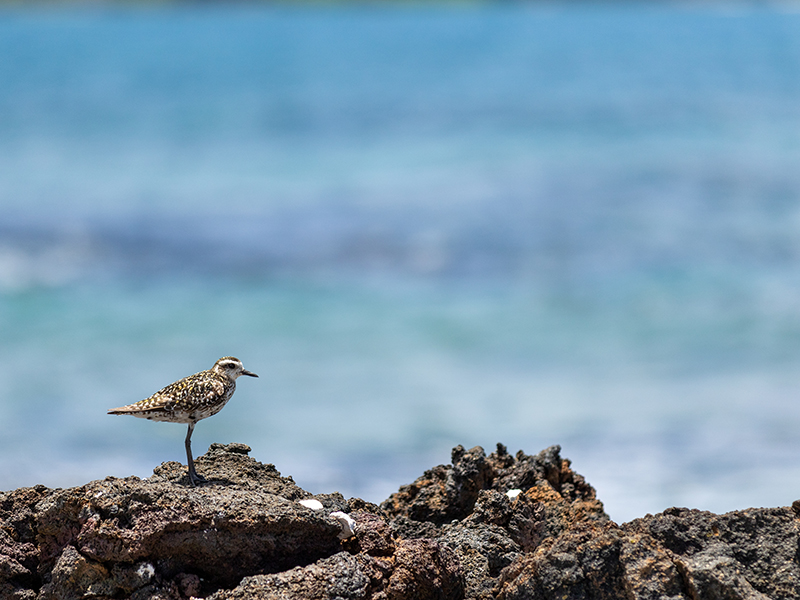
(146, 571)
(311, 503)
(513, 493)
(347, 523)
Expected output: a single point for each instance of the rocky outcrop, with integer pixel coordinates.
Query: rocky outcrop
(243, 534)
(497, 526)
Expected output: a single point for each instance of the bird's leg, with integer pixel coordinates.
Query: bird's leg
(194, 478)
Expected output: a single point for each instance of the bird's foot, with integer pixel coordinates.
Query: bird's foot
(195, 479)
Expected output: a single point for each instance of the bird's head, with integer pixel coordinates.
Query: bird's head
(231, 367)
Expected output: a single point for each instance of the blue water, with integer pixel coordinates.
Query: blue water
(421, 227)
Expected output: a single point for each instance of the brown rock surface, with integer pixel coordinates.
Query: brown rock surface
(554, 541)
(453, 533)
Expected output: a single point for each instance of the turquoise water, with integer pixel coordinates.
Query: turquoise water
(421, 227)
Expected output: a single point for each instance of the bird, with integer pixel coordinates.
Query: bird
(189, 400)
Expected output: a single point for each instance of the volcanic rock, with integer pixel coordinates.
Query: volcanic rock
(502, 526)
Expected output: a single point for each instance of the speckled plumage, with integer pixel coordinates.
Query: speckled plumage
(190, 399)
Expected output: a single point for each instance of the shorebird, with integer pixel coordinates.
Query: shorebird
(189, 400)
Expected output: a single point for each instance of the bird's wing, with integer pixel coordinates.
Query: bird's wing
(188, 392)
(176, 396)
(205, 391)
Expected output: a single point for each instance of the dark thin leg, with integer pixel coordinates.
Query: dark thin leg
(194, 478)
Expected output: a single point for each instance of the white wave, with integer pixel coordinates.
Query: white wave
(50, 266)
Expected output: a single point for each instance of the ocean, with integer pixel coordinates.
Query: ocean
(422, 226)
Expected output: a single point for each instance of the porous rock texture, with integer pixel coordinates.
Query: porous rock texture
(454, 533)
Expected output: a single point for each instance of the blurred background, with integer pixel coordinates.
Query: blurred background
(422, 226)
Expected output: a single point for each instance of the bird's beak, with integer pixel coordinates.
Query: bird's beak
(246, 372)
